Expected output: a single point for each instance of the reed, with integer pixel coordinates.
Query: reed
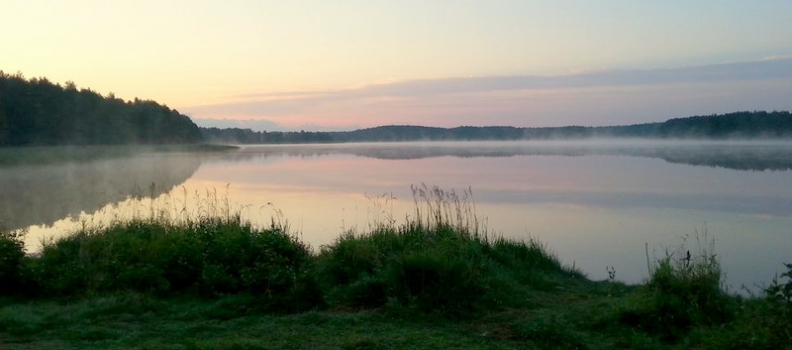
(193, 269)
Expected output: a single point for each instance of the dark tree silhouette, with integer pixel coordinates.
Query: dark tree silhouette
(38, 112)
(739, 125)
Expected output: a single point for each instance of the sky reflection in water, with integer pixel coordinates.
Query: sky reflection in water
(593, 204)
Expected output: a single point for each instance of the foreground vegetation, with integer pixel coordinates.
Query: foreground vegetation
(438, 280)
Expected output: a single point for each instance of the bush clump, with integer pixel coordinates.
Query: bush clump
(209, 257)
(429, 269)
(439, 261)
(684, 291)
(12, 254)
(778, 315)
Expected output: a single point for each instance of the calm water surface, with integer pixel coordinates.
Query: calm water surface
(594, 204)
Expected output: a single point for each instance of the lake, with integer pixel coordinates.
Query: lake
(595, 204)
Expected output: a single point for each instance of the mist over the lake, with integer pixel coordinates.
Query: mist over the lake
(594, 203)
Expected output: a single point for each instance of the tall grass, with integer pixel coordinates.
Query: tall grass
(437, 208)
(440, 260)
(210, 254)
(685, 291)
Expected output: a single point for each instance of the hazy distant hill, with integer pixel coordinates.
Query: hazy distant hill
(739, 125)
(38, 112)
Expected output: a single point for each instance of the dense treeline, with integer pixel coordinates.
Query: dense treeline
(38, 112)
(237, 135)
(739, 125)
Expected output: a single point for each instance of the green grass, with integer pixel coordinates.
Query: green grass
(439, 280)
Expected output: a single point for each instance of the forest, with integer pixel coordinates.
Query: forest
(738, 125)
(37, 112)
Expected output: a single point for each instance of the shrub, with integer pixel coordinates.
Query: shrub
(352, 258)
(781, 292)
(529, 262)
(430, 268)
(12, 253)
(440, 260)
(209, 257)
(446, 283)
(684, 291)
(778, 315)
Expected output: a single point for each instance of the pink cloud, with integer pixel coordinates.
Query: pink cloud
(588, 98)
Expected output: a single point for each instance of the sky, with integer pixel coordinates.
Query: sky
(349, 64)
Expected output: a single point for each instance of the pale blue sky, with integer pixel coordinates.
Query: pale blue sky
(348, 64)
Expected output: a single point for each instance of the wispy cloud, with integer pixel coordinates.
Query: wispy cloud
(443, 97)
(767, 68)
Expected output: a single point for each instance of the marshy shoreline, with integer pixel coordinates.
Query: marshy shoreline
(437, 280)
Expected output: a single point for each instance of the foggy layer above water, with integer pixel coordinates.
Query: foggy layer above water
(595, 204)
(756, 155)
(42, 194)
(584, 180)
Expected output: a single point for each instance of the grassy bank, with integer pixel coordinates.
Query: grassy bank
(439, 280)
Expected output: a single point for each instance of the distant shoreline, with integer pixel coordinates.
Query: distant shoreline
(733, 126)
